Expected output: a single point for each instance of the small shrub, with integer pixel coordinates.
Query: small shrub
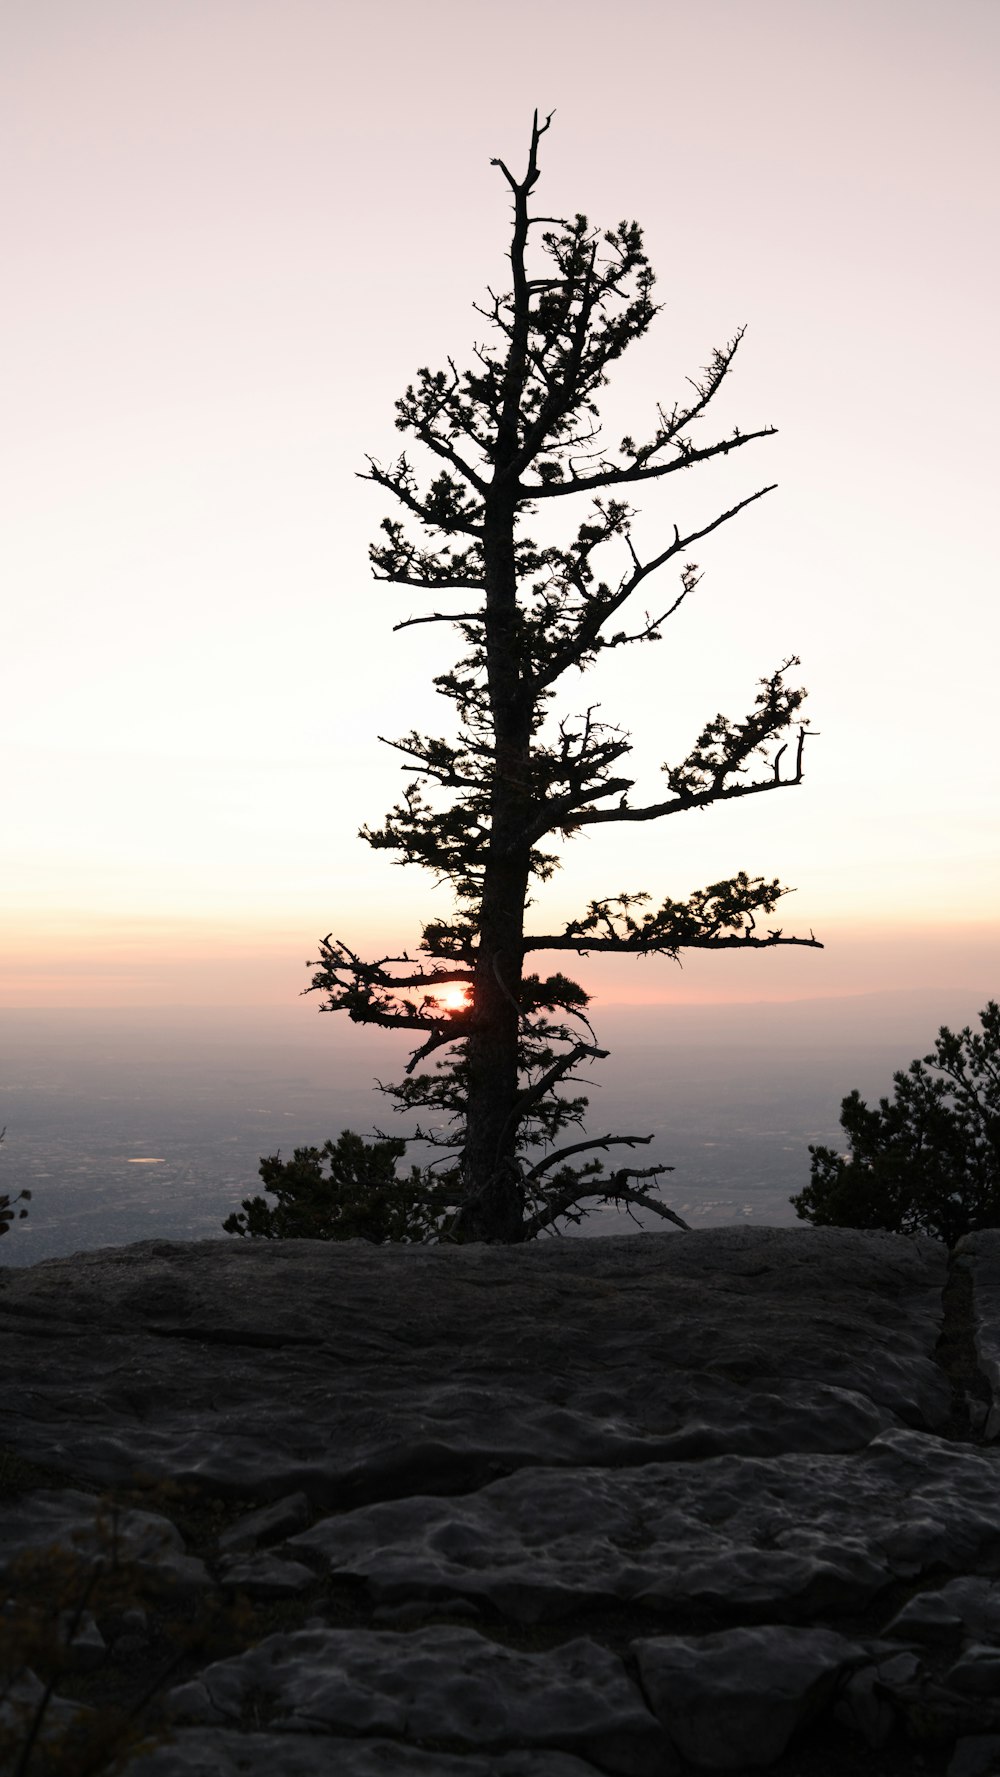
(8, 1213)
(60, 1718)
(360, 1197)
(928, 1160)
(51, 1592)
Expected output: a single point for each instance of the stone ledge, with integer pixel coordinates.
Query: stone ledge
(651, 1504)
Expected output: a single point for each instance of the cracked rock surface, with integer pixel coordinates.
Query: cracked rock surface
(356, 1372)
(574, 1697)
(799, 1534)
(669, 1503)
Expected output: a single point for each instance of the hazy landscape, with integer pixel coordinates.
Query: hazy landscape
(134, 1124)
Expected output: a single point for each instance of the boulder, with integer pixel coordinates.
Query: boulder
(978, 1255)
(733, 1700)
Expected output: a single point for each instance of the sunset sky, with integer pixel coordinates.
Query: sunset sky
(233, 230)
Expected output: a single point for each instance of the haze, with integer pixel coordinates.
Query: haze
(234, 229)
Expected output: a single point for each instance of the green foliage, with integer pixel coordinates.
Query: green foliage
(928, 1161)
(361, 1197)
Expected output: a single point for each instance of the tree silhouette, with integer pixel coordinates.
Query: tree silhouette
(513, 434)
(8, 1214)
(928, 1160)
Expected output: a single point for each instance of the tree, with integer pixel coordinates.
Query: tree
(928, 1162)
(513, 434)
(360, 1197)
(7, 1212)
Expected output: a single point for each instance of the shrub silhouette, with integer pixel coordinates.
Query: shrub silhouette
(361, 1197)
(8, 1213)
(928, 1161)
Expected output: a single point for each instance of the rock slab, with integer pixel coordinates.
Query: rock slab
(352, 1372)
(668, 1503)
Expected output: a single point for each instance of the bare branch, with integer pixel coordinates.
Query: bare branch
(537, 132)
(439, 616)
(558, 1071)
(611, 1190)
(439, 1039)
(582, 1147)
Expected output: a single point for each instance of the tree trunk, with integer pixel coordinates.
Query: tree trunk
(494, 1207)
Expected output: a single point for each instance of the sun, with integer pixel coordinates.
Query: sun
(454, 997)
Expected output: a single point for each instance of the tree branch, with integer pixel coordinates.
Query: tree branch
(442, 448)
(438, 616)
(599, 611)
(556, 1072)
(638, 946)
(338, 958)
(405, 494)
(678, 804)
(613, 1189)
(437, 1040)
(582, 1147)
(548, 490)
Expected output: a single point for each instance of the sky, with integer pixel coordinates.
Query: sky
(235, 228)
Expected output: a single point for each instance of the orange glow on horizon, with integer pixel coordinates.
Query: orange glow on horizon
(159, 962)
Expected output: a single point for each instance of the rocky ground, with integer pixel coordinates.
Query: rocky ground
(675, 1503)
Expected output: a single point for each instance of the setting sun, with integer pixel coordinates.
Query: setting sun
(454, 997)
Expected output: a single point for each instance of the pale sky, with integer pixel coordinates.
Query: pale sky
(235, 228)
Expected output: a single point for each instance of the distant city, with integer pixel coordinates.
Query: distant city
(139, 1124)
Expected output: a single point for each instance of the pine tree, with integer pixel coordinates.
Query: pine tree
(484, 810)
(926, 1161)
